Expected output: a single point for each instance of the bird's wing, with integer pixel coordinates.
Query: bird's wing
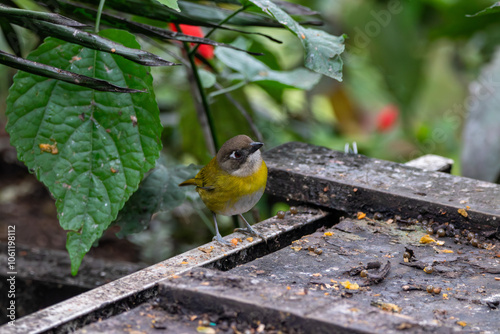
(206, 178)
(190, 182)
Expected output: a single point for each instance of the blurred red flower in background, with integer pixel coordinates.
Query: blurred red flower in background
(387, 118)
(204, 50)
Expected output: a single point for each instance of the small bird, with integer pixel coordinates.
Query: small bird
(233, 181)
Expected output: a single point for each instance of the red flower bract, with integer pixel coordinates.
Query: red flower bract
(387, 118)
(205, 50)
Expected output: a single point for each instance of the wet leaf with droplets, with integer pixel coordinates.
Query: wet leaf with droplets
(322, 49)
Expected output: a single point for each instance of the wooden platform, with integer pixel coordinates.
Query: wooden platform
(300, 289)
(303, 279)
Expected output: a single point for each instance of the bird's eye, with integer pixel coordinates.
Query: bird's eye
(235, 155)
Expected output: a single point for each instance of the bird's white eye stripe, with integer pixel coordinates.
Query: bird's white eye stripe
(236, 154)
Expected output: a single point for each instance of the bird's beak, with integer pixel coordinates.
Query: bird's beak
(254, 147)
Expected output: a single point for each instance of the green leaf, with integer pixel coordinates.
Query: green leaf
(191, 13)
(57, 73)
(73, 35)
(253, 70)
(170, 3)
(119, 22)
(295, 9)
(30, 15)
(207, 78)
(289, 7)
(493, 9)
(11, 37)
(158, 192)
(90, 148)
(322, 49)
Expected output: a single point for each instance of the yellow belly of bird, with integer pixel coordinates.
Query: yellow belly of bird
(232, 195)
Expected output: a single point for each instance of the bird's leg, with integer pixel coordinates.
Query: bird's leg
(218, 237)
(248, 229)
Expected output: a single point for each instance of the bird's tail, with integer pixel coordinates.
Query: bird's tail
(190, 182)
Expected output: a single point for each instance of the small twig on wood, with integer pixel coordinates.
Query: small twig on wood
(378, 276)
(412, 287)
(370, 265)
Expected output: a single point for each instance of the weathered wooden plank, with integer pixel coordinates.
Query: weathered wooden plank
(52, 266)
(43, 279)
(129, 291)
(225, 303)
(467, 277)
(252, 301)
(299, 289)
(352, 183)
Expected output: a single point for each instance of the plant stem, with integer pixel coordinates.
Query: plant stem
(213, 144)
(211, 31)
(98, 17)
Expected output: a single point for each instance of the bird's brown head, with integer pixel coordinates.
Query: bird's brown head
(240, 156)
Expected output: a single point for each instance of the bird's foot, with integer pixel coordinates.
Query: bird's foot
(219, 239)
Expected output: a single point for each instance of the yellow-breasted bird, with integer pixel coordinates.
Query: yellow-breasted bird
(233, 181)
